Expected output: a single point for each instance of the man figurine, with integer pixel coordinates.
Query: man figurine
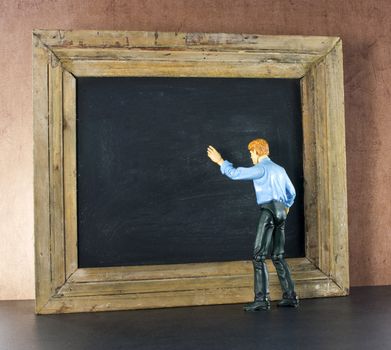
(275, 195)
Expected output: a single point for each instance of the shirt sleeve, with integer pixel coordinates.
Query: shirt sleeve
(290, 191)
(241, 173)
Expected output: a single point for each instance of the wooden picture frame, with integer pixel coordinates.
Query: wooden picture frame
(59, 57)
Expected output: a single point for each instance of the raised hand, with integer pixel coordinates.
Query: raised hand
(214, 155)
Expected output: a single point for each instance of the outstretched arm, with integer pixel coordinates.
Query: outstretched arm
(241, 173)
(228, 169)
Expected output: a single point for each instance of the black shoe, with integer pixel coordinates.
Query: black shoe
(292, 301)
(257, 305)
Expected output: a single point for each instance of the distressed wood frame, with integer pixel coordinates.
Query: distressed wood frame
(59, 57)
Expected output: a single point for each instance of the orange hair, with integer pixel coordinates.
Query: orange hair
(260, 146)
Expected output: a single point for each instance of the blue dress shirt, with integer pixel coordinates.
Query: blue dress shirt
(270, 180)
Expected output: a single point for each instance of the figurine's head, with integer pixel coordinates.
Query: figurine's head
(258, 148)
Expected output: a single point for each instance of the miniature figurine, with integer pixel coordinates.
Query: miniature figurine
(275, 195)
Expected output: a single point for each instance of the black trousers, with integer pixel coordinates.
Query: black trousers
(271, 236)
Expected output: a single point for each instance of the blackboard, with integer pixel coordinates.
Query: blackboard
(146, 191)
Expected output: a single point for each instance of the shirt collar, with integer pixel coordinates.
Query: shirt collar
(263, 159)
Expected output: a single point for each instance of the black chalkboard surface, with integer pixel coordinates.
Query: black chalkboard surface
(146, 191)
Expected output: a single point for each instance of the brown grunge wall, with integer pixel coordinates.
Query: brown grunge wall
(365, 29)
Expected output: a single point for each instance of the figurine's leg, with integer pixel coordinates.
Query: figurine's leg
(281, 266)
(261, 248)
